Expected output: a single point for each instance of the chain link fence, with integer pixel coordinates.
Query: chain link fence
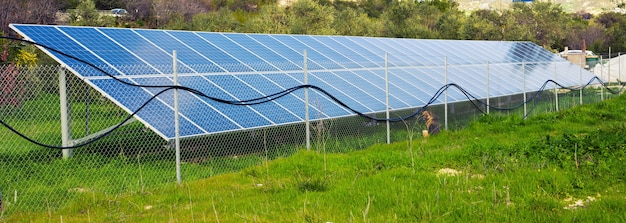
(133, 158)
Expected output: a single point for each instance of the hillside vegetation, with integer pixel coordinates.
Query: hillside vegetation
(570, 6)
(553, 25)
(558, 167)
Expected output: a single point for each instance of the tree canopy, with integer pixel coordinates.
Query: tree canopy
(544, 23)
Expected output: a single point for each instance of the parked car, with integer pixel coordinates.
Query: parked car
(118, 12)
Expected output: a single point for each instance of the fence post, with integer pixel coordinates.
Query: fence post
(445, 93)
(306, 104)
(601, 85)
(524, 84)
(387, 97)
(619, 71)
(176, 121)
(66, 130)
(581, 80)
(609, 65)
(556, 93)
(487, 87)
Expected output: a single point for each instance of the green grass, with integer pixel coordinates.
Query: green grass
(510, 170)
(40, 117)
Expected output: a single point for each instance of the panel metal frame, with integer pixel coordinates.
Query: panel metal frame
(352, 68)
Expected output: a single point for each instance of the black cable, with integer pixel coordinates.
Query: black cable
(88, 141)
(268, 98)
(87, 98)
(253, 101)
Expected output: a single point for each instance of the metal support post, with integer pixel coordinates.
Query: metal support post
(601, 85)
(487, 87)
(176, 121)
(306, 104)
(556, 90)
(66, 130)
(387, 98)
(608, 80)
(581, 80)
(524, 84)
(445, 95)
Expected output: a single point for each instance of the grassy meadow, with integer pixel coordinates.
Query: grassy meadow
(566, 166)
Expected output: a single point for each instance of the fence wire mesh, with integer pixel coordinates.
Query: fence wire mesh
(134, 158)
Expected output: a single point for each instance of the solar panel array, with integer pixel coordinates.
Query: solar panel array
(236, 66)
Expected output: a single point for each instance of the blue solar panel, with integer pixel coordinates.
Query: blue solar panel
(344, 90)
(236, 66)
(318, 60)
(331, 54)
(289, 54)
(245, 117)
(375, 60)
(241, 54)
(264, 53)
(291, 103)
(217, 58)
(368, 82)
(190, 58)
(274, 112)
(343, 51)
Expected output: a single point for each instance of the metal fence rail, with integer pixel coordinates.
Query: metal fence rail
(133, 158)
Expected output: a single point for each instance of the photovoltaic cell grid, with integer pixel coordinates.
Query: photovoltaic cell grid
(235, 66)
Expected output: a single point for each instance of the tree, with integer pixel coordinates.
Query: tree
(164, 10)
(449, 24)
(85, 14)
(395, 16)
(482, 25)
(409, 19)
(41, 11)
(615, 29)
(609, 19)
(178, 22)
(221, 21)
(140, 11)
(579, 28)
(594, 35)
(234, 5)
(545, 21)
(341, 5)
(33, 11)
(444, 5)
(354, 22)
(271, 18)
(374, 8)
(64, 5)
(10, 10)
(309, 17)
(18, 77)
(108, 4)
(430, 13)
(511, 30)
